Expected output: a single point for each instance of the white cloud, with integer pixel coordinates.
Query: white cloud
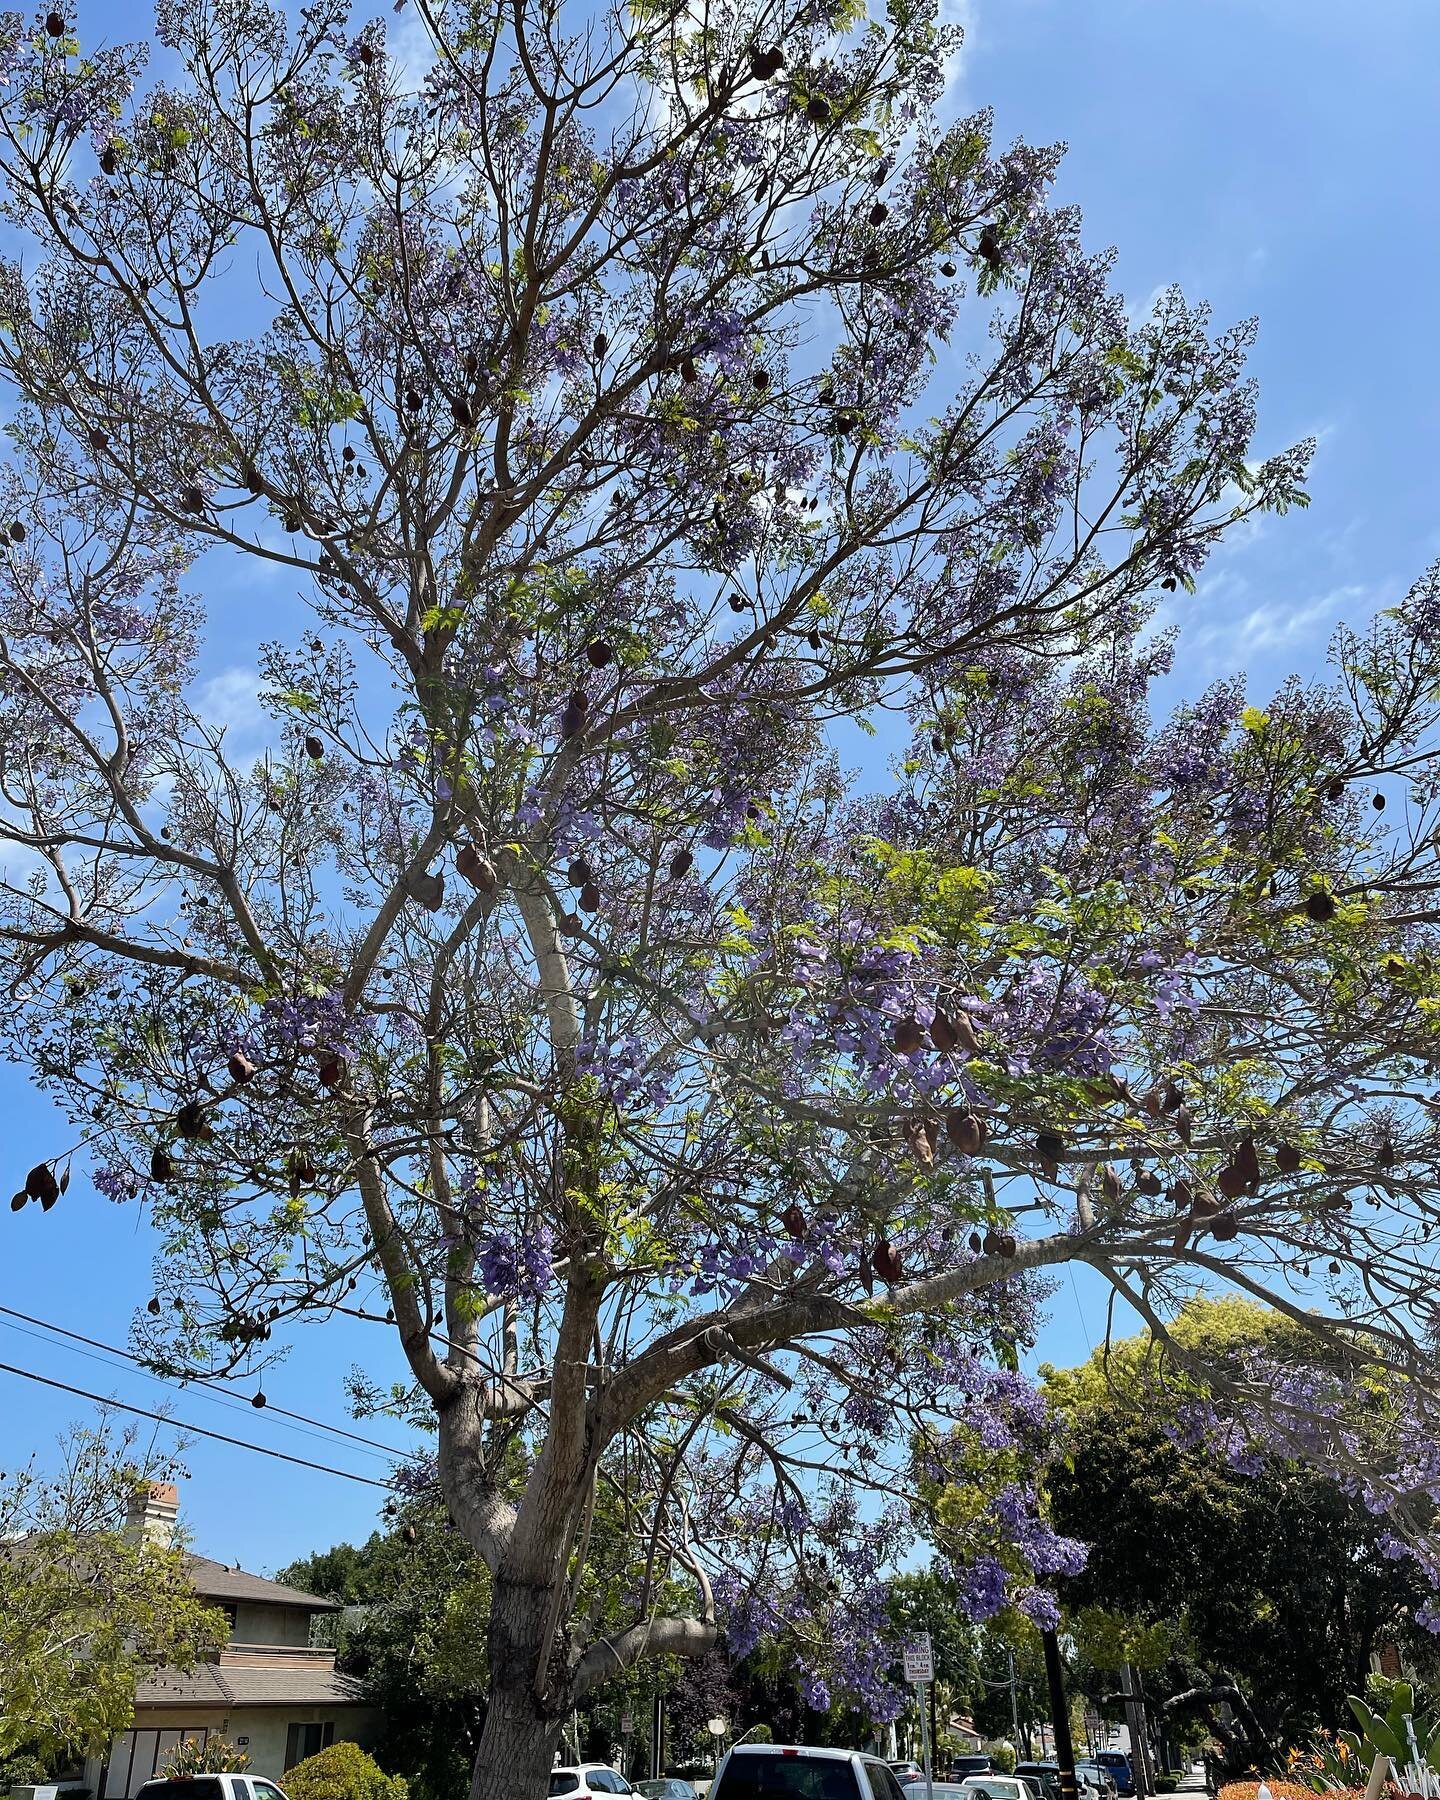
(230, 702)
(1235, 639)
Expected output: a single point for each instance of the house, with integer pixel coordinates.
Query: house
(267, 1691)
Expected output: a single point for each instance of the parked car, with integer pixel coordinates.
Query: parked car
(997, 1787)
(1097, 1776)
(666, 1787)
(973, 1762)
(802, 1772)
(1118, 1764)
(907, 1771)
(1043, 1775)
(209, 1787)
(578, 1781)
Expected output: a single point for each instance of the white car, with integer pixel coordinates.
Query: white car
(209, 1787)
(803, 1772)
(578, 1781)
(997, 1787)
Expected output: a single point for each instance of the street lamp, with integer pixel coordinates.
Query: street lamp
(717, 1727)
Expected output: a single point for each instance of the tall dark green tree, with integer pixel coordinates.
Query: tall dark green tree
(1274, 1580)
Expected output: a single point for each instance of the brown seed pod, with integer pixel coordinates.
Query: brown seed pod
(99, 440)
(1205, 1206)
(55, 24)
(462, 413)
(590, 897)
(580, 872)
(161, 1167)
(331, 1072)
(943, 1034)
(1049, 1147)
(1320, 906)
(1225, 1226)
(1378, 802)
(760, 380)
(886, 1260)
(1148, 1184)
(907, 1037)
(240, 1068)
(192, 500)
(866, 1272)
(1336, 789)
(572, 720)
(879, 213)
(794, 1221)
(152, 1306)
(17, 1201)
(601, 345)
(966, 1130)
(1184, 1123)
(190, 1120)
(947, 268)
(412, 400)
(427, 889)
(921, 1137)
(1247, 1161)
(681, 864)
(17, 533)
(817, 111)
(1112, 1189)
(314, 748)
(688, 371)
(109, 161)
(41, 1185)
(1172, 1098)
(1230, 1182)
(257, 1399)
(1181, 1194)
(1287, 1158)
(598, 653)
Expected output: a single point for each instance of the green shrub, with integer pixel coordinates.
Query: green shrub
(343, 1772)
(1166, 1784)
(1002, 1754)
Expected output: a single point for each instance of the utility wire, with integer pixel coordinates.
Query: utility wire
(206, 1382)
(180, 1425)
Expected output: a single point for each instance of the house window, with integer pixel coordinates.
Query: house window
(305, 1740)
(136, 1756)
(230, 1614)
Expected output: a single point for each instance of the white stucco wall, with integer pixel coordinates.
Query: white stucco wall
(268, 1726)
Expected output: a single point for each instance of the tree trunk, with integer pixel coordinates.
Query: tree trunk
(517, 1746)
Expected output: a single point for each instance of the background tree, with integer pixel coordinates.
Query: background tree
(417, 1646)
(86, 1609)
(1275, 1579)
(548, 992)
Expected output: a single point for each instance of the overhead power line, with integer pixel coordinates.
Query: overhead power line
(199, 1430)
(205, 1381)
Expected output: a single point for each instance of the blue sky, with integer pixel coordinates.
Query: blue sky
(1275, 157)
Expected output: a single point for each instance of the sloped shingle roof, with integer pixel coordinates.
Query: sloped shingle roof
(214, 1581)
(210, 1685)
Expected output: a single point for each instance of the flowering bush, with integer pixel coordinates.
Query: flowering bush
(212, 1756)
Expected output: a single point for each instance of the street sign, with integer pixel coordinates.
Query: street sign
(627, 1724)
(919, 1661)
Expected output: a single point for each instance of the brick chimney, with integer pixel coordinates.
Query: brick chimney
(153, 1513)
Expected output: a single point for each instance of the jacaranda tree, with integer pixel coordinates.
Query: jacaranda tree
(700, 1115)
